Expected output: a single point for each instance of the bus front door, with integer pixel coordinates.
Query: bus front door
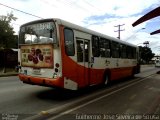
(83, 69)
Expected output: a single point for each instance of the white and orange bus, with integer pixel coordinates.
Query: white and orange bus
(57, 53)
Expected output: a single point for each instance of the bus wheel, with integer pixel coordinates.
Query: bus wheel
(106, 80)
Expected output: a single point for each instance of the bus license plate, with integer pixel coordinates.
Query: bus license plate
(37, 71)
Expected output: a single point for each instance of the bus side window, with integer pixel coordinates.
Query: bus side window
(104, 45)
(123, 51)
(80, 51)
(134, 53)
(69, 42)
(115, 49)
(131, 51)
(95, 46)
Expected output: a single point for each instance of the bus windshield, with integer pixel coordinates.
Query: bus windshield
(39, 33)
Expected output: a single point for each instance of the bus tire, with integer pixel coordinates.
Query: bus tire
(133, 72)
(106, 79)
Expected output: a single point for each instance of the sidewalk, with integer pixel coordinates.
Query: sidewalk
(9, 72)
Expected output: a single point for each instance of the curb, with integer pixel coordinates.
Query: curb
(8, 74)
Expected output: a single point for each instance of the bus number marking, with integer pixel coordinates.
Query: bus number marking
(107, 62)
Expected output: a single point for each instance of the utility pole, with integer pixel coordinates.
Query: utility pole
(146, 43)
(119, 30)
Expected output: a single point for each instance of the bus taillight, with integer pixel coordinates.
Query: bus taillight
(57, 65)
(56, 70)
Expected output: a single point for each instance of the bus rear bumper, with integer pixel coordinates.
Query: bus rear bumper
(49, 82)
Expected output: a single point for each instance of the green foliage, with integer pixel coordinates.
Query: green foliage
(7, 37)
(145, 54)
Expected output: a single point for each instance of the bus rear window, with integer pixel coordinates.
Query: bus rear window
(39, 33)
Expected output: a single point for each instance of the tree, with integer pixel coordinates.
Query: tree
(145, 54)
(7, 37)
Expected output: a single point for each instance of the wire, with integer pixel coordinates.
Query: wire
(20, 11)
(92, 5)
(48, 3)
(66, 3)
(15, 24)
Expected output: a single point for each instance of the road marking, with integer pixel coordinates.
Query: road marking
(154, 89)
(44, 113)
(133, 96)
(96, 99)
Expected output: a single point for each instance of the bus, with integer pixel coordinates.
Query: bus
(56, 53)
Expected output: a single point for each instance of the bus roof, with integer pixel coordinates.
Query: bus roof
(79, 28)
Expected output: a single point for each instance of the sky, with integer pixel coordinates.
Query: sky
(99, 15)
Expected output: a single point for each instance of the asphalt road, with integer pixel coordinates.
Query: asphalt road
(22, 100)
(140, 100)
